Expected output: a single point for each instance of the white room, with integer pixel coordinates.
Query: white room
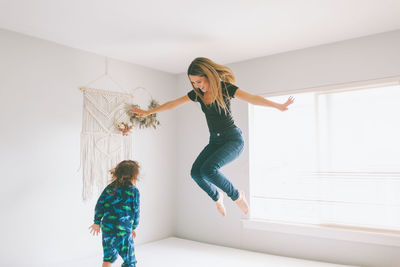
(321, 179)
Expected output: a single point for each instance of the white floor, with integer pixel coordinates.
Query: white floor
(175, 252)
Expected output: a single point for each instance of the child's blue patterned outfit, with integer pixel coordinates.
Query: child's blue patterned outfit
(118, 213)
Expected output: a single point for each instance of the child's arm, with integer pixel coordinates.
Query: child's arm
(136, 211)
(99, 209)
(98, 214)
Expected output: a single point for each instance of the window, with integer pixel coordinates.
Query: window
(332, 159)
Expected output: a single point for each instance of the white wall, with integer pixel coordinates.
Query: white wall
(43, 219)
(348, 61)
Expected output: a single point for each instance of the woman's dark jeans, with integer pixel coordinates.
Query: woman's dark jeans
(223, 147)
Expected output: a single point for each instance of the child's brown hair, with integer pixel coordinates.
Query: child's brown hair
(124, 173)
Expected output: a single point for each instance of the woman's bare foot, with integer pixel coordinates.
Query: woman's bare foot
(220, 205)
(242, 203)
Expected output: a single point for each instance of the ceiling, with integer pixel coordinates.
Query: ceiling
(167, 35)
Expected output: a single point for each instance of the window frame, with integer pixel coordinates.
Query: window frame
(336, 232)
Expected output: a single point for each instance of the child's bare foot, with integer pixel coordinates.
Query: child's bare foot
(220, 205)
(242, 203)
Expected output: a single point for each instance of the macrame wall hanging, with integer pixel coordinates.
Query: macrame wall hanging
(105, 138)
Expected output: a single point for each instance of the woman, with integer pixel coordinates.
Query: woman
(213, 87)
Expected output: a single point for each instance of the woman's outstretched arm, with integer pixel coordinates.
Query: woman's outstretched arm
(261, 101)
(166, 106)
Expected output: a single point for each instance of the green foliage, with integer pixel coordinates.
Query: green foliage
(145, 122)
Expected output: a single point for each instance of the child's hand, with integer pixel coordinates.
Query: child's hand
(94, 229)
(133, 233)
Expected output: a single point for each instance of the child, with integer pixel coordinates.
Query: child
(117, 211)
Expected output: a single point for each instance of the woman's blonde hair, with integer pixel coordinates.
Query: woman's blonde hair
(215, 73)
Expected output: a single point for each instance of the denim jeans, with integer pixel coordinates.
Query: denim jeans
(222, 148)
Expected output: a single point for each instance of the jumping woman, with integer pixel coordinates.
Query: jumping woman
(213, 87)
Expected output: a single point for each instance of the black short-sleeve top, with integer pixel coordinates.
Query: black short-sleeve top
(217, 119)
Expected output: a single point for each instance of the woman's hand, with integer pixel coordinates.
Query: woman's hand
(133, 233)
(94, 229)
(140, 112)
(284, 106)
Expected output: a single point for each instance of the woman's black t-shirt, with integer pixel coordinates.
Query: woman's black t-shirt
(217, 119)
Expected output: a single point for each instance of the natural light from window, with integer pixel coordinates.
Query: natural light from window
(332, 159)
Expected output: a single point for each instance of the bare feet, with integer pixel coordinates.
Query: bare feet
(242, 203)
(220, 205)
